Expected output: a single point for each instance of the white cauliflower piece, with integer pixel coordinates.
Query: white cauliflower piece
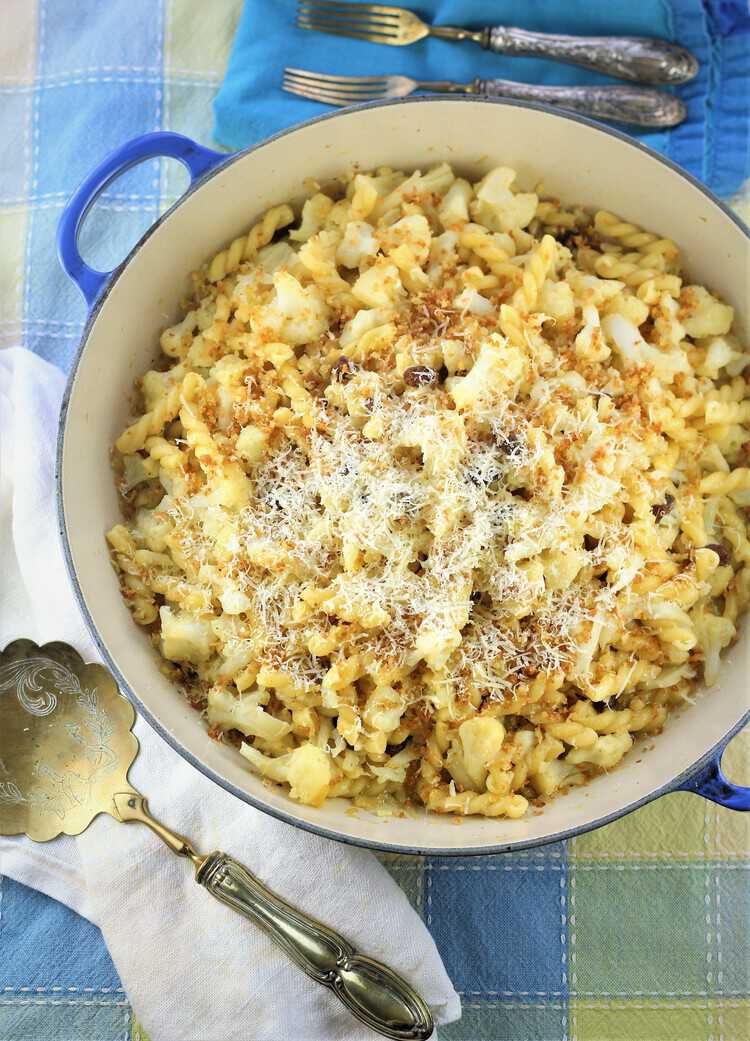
(606, 753)
(243, 713)
(185, 637)
(307, 771)
(702, 314)
(234, 601)
(722, 352)
(357, 244)
(556, 300)
(497, 207)
(363, 322)
(278, 255)
(412, 231)
(481, 741)
(296, 314)
(635, 353)
(154, 525)
(379, 286)
(384, 709)
(454, 209)
(472, 301)
(497, 368)
(309, 774)
(251, 443)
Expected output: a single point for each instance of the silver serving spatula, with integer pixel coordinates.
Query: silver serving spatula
(66, 746)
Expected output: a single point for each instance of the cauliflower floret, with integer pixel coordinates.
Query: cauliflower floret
(455, 355)
(714, 633)
(437, 645)
(454, 209)
(156, 384)
(243, 713)
(497, 207)
(379, 286)
(384, 709)
(556, 300)
(606, 753)
(394, 770)
(234, 601)
(278, 255)
(637, 354)
(251, 443)
(471, 300)
(363, 322)
(561, 566)
(296, 314)
(554, 776)
(412, 231)
(630, 307)
(184, 637)
(589, 343)
(722, 352)
(309, 775)
(307, 770)
(357, 244)
(702, 314)
(497, 368)
(481, 741)
(154, 526)
(136, 470)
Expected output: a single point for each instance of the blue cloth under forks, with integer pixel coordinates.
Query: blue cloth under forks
(713, 143)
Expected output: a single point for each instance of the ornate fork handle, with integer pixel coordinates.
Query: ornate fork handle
(634, 105)
(370, 990)
(636, 58)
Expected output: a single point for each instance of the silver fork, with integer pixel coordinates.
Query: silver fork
(639, 58)
(636, 106)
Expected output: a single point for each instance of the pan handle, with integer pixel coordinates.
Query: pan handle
(195, 157)
(712, 783)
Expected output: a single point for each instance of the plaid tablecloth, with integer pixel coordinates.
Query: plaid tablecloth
(637, 932)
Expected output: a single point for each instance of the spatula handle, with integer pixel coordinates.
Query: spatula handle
(371, 991)
(638, 58)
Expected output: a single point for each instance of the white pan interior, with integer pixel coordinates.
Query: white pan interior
(577, 162)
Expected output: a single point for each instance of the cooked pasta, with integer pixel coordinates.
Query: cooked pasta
(438, 496)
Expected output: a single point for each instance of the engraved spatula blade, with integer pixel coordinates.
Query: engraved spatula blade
(66, 743)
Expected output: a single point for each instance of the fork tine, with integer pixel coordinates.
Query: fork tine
(361, 95)
(325, 95)
(328, 98)
(363, 21)
(339, 95)
(312, 95)
(336, 88)
(326, 27)
(355, 24)
(337, 84)
(358, 24)
(382, 9)
(334, 79)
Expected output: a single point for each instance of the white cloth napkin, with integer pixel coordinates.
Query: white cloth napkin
(193, 969)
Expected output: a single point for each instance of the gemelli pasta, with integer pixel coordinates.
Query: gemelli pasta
(438, 495)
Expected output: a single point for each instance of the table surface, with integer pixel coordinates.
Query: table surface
(636, 932)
